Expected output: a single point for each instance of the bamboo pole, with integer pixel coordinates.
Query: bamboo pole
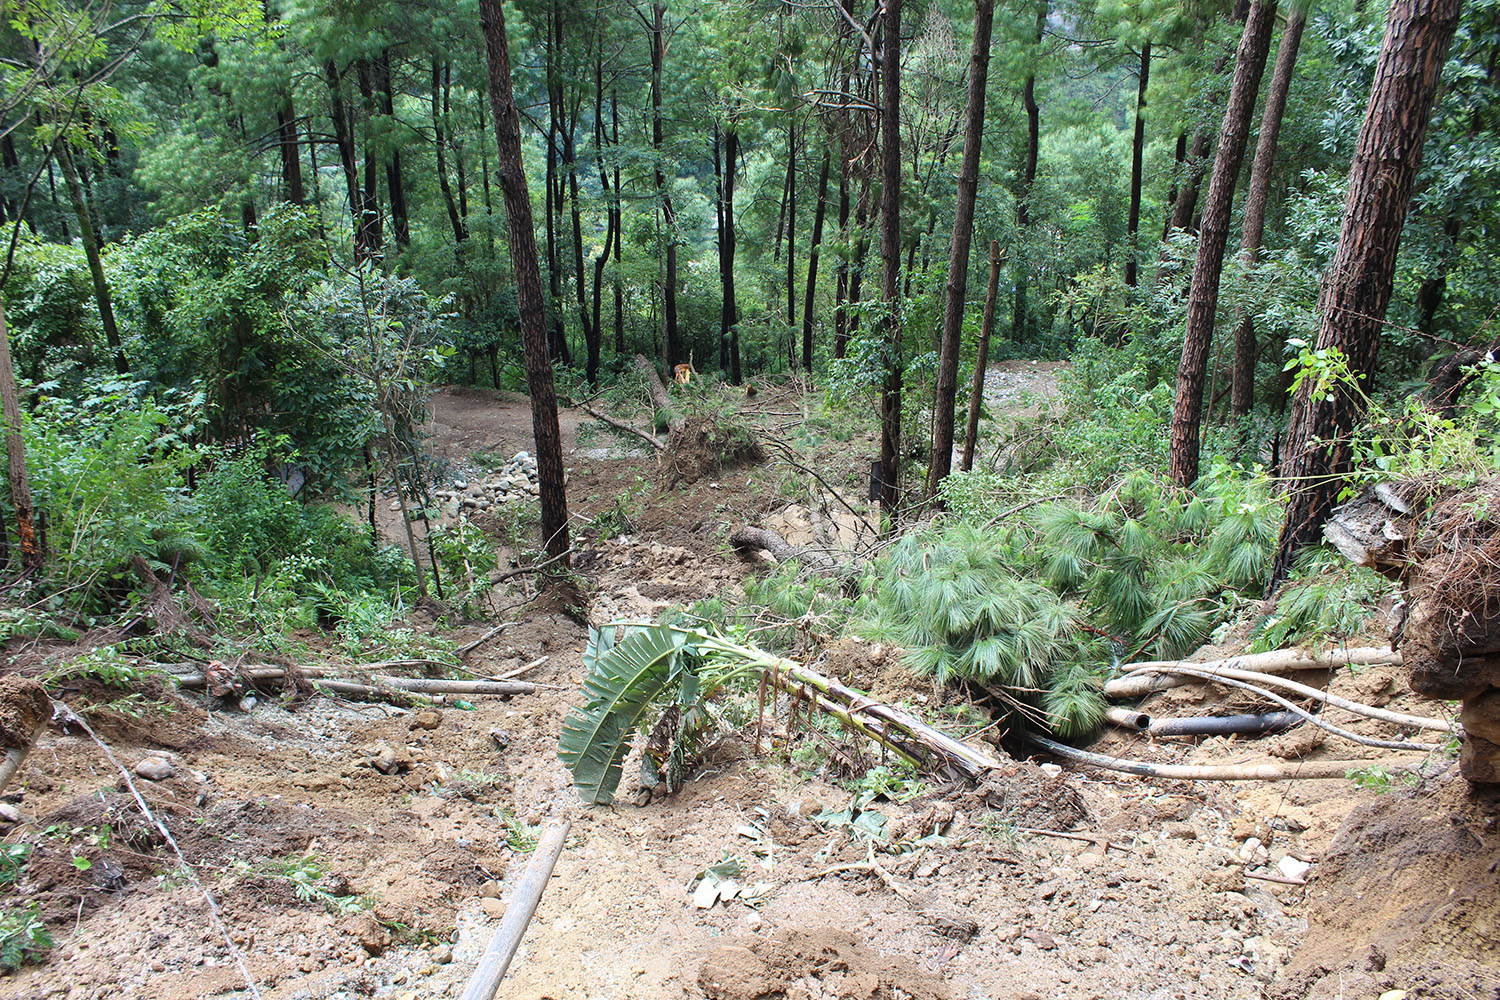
(518, 913)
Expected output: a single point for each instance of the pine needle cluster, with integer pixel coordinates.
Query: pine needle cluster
(1040, 611)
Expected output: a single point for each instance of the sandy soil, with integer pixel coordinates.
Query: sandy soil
(1156, 899)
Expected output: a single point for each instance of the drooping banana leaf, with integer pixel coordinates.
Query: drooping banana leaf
(623, 680)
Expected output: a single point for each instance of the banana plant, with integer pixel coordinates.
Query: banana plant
(664, 675)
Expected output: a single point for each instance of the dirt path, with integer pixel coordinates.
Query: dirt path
(283, 819)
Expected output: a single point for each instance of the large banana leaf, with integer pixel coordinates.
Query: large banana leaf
(623, 680)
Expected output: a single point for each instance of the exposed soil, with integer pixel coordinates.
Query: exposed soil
(281, 817)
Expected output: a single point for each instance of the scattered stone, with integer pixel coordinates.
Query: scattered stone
(442, 955)
(1292, 868)
(388, 760)
(493, 908)
(248, 703)
(9, 813)
(426, 719)
(490, 889)
(154, 769)
(372, 936)
(752, 921)
(1180, 831)
(500, 738)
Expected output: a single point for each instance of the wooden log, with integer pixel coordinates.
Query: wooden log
(1139, 682)
(518, 913)
(1266, 771)
(747, 537)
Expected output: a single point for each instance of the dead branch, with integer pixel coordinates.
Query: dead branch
(619, 425)
(468, 648)
(1140, 682)
(1266, 771)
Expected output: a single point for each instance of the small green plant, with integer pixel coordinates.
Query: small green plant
(1380, 780)
(899, 784)
(306, 875)
(519, 836)
(23, 937)
(13, 858)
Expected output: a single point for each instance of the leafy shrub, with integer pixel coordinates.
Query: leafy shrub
(23, 937)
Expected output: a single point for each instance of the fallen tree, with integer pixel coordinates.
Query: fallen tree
(1153, 675)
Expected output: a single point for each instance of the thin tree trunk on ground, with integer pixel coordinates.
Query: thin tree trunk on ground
(1357, 285)
(1203, 298)
(1137, 169)
(1242, 392)
(15, 454)
(976, 400)
(890, 256)
(1020, 318)
(90, 243)
(940, 462)
(522, 235)
(812, 265)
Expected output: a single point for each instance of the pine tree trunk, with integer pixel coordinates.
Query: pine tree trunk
(395, 184)
(941, 460)
(791, 244)
(557, 332)
(673, 343)
(1020, 317)
(987, 327)
(522, 235)
(1242, 391)
(729, 311)
(618, 208)
(90, 243)
(841, 270)
(1137, 169)
(291, 156)
(890, 256)
(1203, 298)
(811, 288)
(1357, 286)
(611, 232)
(1178, 161)
(439, 142)
(371, 220)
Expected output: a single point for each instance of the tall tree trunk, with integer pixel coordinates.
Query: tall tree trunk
(394, 182)
(1357, 285)
(522, 235)
(669, 215)
(810, 291)
(15, 454)
(618, 208)
(439, 143)
(841, 270)
(558, 335)
(890, 256)
(90, 243)
(611, 232)
(1137, 164)
(343, 134)
(1020, 318)
(1203, 298)
(791, 242)
(1179, 159)
(1242, 391)
(372, 219)
(987, 326)
(291, 155)
(940, 462)
(729, 312)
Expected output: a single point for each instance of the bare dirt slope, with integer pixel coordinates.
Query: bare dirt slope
(281, 817)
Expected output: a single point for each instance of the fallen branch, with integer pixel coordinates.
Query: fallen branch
(746, 537)
(15, 756)
(873, 869)
(382, 684)
(527, 570)
(1210, 772)
(468, 648)
(513, 674)
(1278, 879)
(1138, 683)
(1087, 838)
(1318, 721)
(620, 425)
(1358, 708)
(518, 913)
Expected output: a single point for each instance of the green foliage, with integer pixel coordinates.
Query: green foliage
(1326, 599)
(1027, 608)
(23, 937)
(13, 858)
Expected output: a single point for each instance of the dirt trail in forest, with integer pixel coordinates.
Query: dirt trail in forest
(1156, 904)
